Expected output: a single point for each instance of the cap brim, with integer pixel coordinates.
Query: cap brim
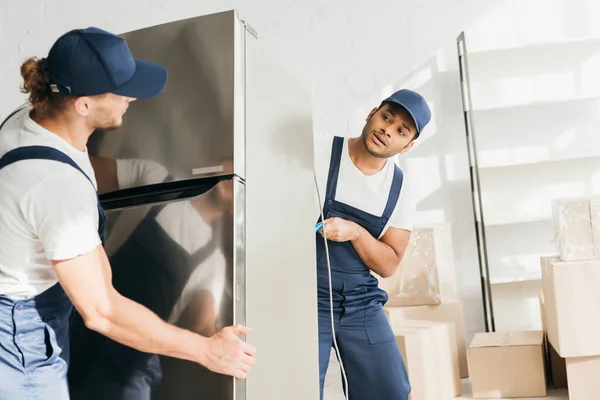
(148, 81)
(391, 100)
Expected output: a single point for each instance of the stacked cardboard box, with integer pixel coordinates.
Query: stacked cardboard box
(426, 275)
(429, 352)
(424, 289)
(570, 299)
(508, 365)
(556, 366)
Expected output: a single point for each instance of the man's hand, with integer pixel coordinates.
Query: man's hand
(340, 230)
(381, 255)
(227, 354)
(87, 281)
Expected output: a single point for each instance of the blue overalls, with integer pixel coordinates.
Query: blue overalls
(34, 332)
(371, 358)
(151, 269)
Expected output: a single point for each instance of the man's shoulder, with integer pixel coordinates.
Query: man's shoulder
(324, 142)
(16, 114)
(407, 189)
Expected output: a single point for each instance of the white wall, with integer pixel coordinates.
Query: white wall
(351, 54)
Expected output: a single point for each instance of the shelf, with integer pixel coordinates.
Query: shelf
(508, 281)
(510, 158)
(517, 305)
(533, 98)
(525, 106)
(537, 46)
(531, 58)
(532, 74)
(525, 193)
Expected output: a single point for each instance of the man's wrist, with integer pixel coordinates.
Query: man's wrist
(195, 346)
(358, 232)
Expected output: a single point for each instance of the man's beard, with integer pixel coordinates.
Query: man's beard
(108, 127)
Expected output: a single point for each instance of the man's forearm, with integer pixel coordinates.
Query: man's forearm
(133, 325)
(377, 256)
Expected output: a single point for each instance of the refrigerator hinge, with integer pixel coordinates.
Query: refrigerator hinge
(250, 29)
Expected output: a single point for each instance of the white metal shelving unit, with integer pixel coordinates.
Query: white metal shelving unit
(532, 116)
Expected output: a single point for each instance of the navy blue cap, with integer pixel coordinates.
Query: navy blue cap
(415, 104)
(88, 62)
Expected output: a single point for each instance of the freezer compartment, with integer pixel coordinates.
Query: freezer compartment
(195, 126)
(184, 260)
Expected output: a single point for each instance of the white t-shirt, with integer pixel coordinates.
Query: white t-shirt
(48, 209)
(181, 222)
(368, 193)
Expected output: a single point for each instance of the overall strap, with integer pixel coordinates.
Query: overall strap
(394, 193)
(50, 153)
(334, 169)
(156, 209)
(39, 153)
(205, 251)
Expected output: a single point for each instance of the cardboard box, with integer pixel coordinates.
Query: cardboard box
(583, 373)
(556, 366)
(577, 223)
(426, 275)
(451, 311)
(428, 349)
(507, 365)
(571, 299)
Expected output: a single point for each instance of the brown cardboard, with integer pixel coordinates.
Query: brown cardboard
(583, 373)
(450, 311)
(571, 298)
(428, 349)
(426, 275)
(543, 310)
(507, 365)
(556, 366)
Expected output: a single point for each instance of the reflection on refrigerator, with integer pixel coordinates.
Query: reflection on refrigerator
(172, 182)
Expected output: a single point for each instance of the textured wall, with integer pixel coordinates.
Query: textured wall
(350, 53)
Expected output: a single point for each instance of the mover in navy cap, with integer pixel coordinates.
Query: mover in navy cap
(365, 226)
(51, 216)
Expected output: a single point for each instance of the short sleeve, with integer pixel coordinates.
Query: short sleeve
(403, 216)
(62, 212)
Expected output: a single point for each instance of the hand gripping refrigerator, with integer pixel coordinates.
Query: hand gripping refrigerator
(211, 207)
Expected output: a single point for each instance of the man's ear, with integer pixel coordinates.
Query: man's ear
(82, 106)
(407, 147)
(373, 111)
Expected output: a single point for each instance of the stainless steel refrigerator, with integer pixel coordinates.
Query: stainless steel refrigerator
(172, 179)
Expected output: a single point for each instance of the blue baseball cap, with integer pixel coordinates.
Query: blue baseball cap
(415, 104)
(91, 61)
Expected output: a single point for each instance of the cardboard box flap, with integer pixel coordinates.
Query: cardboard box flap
(502, 339)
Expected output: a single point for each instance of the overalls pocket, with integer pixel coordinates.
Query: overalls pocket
(378, 328)
(36, 342)
(56, 334)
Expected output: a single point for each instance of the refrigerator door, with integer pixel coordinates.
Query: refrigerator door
(195, 126)
(184, 260)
